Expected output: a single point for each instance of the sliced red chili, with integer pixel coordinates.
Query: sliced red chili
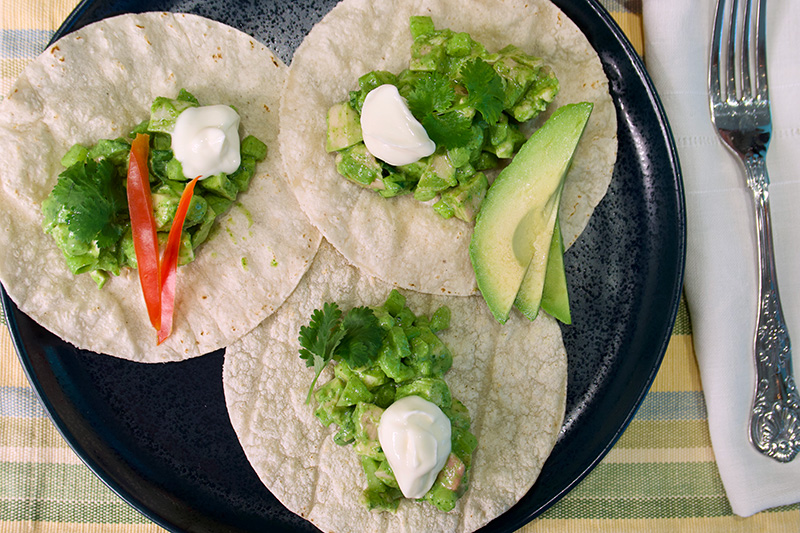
(143, 227)
(169, 263)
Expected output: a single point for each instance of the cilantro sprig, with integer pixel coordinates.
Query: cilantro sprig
(93, 200)
(485, 89)
(431, 102)
(354, 337)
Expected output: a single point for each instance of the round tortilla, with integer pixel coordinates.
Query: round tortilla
(401, 240)
(97, 83)
(512, 379)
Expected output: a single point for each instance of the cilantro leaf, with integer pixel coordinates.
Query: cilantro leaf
(448, 129)
(362, 339)
(485, 89)
(92, 200)
(432, 93)
(356, 338)
(320, 338)
(431, 102)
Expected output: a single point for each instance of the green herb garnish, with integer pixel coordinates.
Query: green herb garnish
(355, 338)
(485, 89)
(91, 201)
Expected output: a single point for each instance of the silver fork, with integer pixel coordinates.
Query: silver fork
(741, 113)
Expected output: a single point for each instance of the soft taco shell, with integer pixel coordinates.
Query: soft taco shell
(97, 83)
(400, 240)
(512, 379)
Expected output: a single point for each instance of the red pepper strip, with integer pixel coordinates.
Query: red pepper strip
(143, 227)
(169, 262)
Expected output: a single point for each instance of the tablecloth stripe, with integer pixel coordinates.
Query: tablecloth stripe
(30, 433)
(44, 526)
(761, 523)
(20, 402)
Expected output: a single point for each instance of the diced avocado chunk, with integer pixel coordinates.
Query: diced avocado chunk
(420, 25)
(221, 185)
(344, 127)
(115, 150)
(514, 227)
(164, 208)
(76, 154)
(241, 176)
(201, 232)
(428, 52)
(174, 170)
(536, 98)
(218, 203)
(441, 497)
(358, 165)
(395, 302)
(327, 395)
(366, 83)
(196, 212)
(367, 417)
(165, 111)
(253, 147)
(438, 176)
(465, 199)
(347, 429)
(440, 319)
(433, 389)
(354, 392)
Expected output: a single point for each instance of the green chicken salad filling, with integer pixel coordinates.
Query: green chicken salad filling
(86, 213)
(471, 103)
(384, 354)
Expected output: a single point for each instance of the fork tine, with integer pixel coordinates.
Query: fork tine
(762, 91)
(714, 89)
(744, 85)
(730, 63)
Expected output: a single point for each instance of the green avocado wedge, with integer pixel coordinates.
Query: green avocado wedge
(514, 227)
(555, 296)
(541, 277)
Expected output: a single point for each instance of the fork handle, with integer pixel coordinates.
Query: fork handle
(775, 416)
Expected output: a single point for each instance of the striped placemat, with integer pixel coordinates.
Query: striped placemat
(660, 476)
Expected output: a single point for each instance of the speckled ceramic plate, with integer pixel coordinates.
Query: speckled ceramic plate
(159, 435)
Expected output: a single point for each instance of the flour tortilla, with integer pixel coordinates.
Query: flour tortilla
(512, 378)
(98, 83)
(400, 240)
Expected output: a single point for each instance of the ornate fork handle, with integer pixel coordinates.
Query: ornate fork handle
(775, 417)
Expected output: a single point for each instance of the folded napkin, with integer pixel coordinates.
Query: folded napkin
(721, 264)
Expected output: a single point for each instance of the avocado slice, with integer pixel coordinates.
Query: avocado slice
(530, 292)
(555, 297)
(514, 227)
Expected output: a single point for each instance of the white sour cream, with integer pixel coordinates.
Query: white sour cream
(390, 131)
(415, 436)
(206, 141)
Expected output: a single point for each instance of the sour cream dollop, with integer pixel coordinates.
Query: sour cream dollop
(206, 141)
(415, 436)
(390, 131)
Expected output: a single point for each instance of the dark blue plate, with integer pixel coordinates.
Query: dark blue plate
(159, 434)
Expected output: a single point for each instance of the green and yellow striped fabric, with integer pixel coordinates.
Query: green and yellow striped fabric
(659, 477)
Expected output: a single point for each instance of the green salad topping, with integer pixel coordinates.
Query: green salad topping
(87, 210)
(383, 354)
(470, 102)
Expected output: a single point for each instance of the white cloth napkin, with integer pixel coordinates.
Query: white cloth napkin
(721, 263)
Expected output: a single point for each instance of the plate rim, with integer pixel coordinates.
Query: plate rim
(602, 15)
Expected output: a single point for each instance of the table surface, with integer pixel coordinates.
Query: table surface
(660, 476)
